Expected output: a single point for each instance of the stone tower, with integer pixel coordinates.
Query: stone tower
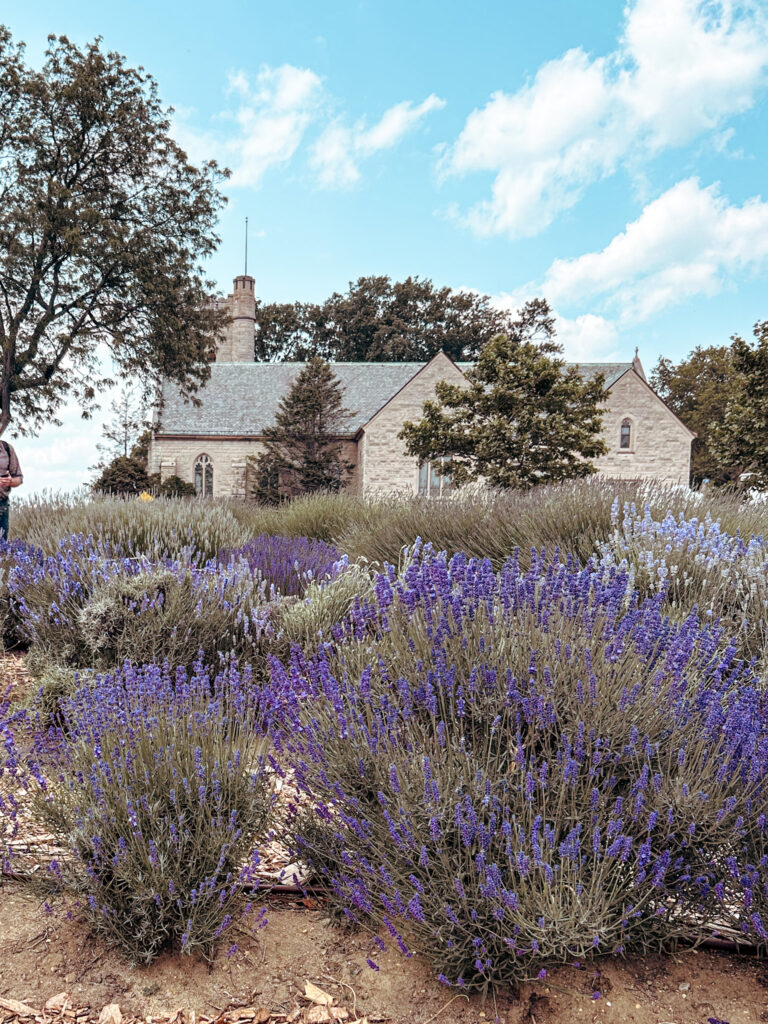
(236, 344)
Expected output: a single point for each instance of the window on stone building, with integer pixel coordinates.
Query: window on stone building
(625, 436)
(203, 477)
(435, 478)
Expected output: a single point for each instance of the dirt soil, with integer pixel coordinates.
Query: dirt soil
(43, 955)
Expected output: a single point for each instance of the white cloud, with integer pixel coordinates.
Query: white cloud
(271, 115)
(585, 338)
(270, 119)
(338, 151)
(588, 338)
(333, 158)
(689, 241)
(682, 67)
(60, 457)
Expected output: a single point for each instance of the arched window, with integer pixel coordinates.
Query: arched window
(625, 437)
(203, 477)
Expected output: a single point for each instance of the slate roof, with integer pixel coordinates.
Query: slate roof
(240, 399)
(612, 371)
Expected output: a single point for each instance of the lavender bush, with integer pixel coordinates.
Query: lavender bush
(308, 621)
(289, 564)
(158, 529)
(10, 552)
(156, 782)
(514, 770)
(693, 562)
(89, 606)
(174, 613)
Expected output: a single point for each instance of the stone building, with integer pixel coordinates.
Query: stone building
(209, 444)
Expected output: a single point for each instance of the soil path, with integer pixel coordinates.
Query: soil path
(42, 955)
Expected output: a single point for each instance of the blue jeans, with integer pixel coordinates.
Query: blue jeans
(4, 518)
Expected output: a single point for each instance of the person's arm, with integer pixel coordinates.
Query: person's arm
(13, 476)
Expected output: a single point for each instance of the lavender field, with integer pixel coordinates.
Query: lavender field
(522, 730)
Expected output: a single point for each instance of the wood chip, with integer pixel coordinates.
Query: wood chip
(316, 995)
(111, 1014)
(21, 1009)
(324, 1014)
(59, 1002)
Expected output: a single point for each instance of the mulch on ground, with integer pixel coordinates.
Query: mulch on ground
(316, 1006)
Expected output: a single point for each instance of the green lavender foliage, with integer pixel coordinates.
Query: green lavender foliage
(309, 620)
(168, 614)
(163, 527)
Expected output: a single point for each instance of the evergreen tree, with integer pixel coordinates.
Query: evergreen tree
(303, 450)
(523, 418)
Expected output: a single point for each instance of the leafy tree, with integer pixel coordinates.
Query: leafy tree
(523, 418)
(381, 321)
(741, 437)
(103, 227)
(121, 433)
(699, 390)
(123, 475)
(303, 450)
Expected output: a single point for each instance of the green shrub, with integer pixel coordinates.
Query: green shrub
(52, 681)
(174, 487)
(308, 620)
(318, 516)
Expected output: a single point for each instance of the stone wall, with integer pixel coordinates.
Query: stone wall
(386, 466)
(171, 456)
(660, 446)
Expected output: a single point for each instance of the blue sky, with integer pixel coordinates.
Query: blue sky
(610, 157)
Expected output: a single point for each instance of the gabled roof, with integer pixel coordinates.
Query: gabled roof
(241, 399)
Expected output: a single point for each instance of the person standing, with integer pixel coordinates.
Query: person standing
(10, 476)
